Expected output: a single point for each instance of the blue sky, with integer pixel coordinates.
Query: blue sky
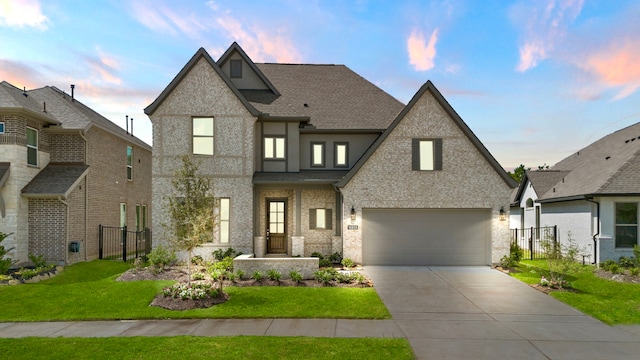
(535, 80)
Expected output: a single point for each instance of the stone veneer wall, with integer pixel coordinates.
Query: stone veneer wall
(203, 93)
(249, 264)
(319, 240)
(387, 180)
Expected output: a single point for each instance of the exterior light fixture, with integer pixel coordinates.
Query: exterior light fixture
(503, 214)
(353, 215)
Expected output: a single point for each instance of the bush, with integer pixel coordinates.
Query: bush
(634, 271)
(239, 274)
(614, 269)
(197, 276)
(348, 263)
(38, 261)
(185, 291)
(5, 264)
(197, 260)
(626, 262)
(161, 257)
(221, 254)
(515, 252)
(561, 259)
(325, 276)
(636, 256)
(258, 275)
(607, 264)
(335, 258)
(296, 276)
(274, 275)
(325, 263)
(317, 254)
(506, 261)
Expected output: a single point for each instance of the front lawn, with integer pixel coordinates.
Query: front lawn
(88, 291)
(609, 301)
(190, 347)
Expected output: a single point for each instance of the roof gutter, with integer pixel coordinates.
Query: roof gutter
(589, 198)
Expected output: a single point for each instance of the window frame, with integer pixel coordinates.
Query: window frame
(620, 226)
(235, 68)
(314, 216)
(2, 127)
(336, 163)
(416, 163)
(138, 217)
(323, 148)
(32, 147)
(195, 136)
(129, 163)
(123, 214)
(274, 146)
(224, 232)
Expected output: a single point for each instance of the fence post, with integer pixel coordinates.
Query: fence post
(124, 243)
(100, 240)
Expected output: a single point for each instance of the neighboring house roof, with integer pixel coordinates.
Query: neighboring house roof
(609, 166)
(73, 114)
(12, 98)
(55, 180)
(304, 176)
(541, 180)
(429, 87)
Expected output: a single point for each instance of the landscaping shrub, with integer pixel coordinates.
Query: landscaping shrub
(274, 274)
(239, 274)
(607, 264)
(38, 261)
(5, 264)
(161, 257)
(348, 263)
(221, 254)
(185, 291)
(325, 276)
(296, 276)
(258, 275)
(636, 256)
(197, 260)
(634, 271)
(317, 254)
(335, 258)
(325, 263)
(626, 262)
(561, 259)
(614, 269)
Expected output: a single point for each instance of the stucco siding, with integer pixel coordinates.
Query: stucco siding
(574, 219)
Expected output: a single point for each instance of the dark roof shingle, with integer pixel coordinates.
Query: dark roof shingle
(55, 180)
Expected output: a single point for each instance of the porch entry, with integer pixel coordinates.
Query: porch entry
(276, 226)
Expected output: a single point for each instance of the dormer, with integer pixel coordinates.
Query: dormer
(242, 71)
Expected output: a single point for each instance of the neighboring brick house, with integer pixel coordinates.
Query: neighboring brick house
(64, 170)
(592, 196)
(315, 158)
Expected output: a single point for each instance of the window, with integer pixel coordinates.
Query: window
(1, 127)
(235, 68)
(144, 217)
(626, 225)
(426, 154)
(129, 163)
(203, 136)
(274, 148)
(123, 214)
(529, 203)
(341, 152)
(320, 219)
(317, 154)
(224, 220)
(32, 146)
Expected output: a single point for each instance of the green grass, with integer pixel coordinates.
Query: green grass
(189, 347)
(609, 301)
(88, 291)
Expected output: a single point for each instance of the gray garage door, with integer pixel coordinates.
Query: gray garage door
(426, 236)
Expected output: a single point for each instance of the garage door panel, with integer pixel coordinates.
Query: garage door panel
(426, 236)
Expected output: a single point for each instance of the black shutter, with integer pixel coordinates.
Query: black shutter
(328, 219)
(312, 219)
(437, 161)
(415, 154)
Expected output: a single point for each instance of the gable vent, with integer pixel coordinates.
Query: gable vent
(607, 158)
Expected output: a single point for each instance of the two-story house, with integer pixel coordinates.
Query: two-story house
(64, 170)
(314, 158)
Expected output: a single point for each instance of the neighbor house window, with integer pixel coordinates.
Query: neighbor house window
(203, 136)
(274, 148)
(129, 163)
(529, 203)
(626, 225)
(32, 146)
(320, 219)
(1, 127)
(224, 220)
(317, 154)
(144, 217)
(340, 152)
(235, 67)
(138, 217)
(426, 154)
(123, 214)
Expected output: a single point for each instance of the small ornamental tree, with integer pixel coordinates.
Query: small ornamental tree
(190, 208)
(5, 264)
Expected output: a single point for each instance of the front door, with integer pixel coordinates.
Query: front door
(276, 226)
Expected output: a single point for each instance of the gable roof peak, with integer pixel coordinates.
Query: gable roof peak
(235, 48)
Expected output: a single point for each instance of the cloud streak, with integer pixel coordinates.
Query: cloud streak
(422, 54)
(616, 66)
(24, 13)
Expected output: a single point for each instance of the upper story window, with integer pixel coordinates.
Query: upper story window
(274, 147)
(320, 219)
(426, 154)
(129, 163)
(32, 146)
(317, 154)
(203, 136)
(1, 127)
(235, 68)
(626, 225)
(341, 157)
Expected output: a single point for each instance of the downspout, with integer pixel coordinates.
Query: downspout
(86, 197)
(595, 241)
(66, 231)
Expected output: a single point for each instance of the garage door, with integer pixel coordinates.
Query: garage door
(426, 236)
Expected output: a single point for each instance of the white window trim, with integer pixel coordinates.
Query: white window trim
(32, 146)
(615, 220)
(123, 214)
(224, 221)
(274, 148)
(129, 164)
(211, 136)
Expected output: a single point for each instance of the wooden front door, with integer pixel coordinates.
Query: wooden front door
(276, 226)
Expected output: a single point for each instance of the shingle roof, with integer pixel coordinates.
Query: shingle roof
(55, 180)
(609, 166)
(308, 177)
(332, 96)
(544, 180)
(13, 98)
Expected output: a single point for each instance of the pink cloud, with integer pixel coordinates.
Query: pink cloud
(617, 66)
(421, 53)
(19, 74)
(22, 13)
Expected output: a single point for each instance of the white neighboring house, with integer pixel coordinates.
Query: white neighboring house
(592, 196)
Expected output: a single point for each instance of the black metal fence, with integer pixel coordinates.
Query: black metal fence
(531, 240)
(119, 243)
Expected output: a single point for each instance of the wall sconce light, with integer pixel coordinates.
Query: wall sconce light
(353, 214)
(503, 214)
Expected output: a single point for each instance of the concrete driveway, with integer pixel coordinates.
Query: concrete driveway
(481, 313)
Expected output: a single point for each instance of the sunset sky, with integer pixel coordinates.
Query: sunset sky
(535, 80)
